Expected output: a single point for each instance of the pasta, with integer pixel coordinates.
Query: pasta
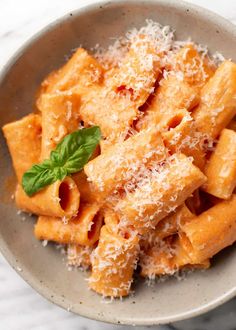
(79, 255)
(215, 113)
(180, 90)
(115, 106)
(221, 168)
(168, 226)
(60, 116)
(171, 95)
(61, 199)
(87, 193)
(183, 256)
(130, 160)
(82, 230)
(212, 230)
(80, 72)
(232, 125)
(160, 193)
(119, 162)
(24, 132)
(195, 68)
(113, 263)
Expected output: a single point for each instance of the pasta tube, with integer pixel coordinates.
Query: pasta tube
(167, 257)
(172, 95)
(87, 193)
(170, 225)
(60, 116)
(195, 68)
(79, 255)
(139, 70)
(221, 168)
(113, 263)
(194, 202)
(160, 193)
(184, 257)
(181, 88)
(167, 227)
(24, 142)
(60, 199)
(213, 230)
(111, 220)
(158, 260)
(83, 229)
(81, 71)
(176, 128)
(115, 106)
(218, 101)
(178, 132)
(120, 162)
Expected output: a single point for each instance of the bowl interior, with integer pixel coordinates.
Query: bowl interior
(43, 267)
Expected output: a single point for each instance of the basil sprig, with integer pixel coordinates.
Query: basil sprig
(70, 156)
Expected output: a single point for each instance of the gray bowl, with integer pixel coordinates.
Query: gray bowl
(42, 267)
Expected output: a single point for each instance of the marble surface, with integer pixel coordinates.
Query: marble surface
(20, 306)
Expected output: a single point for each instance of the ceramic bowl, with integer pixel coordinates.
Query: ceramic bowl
(42, 267)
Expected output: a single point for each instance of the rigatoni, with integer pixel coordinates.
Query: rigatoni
(160, 192)
(113, 264)
(221, 167)
(195, 68)
(172, 94)
(218, 101)
(139, 70)
(79, 255)
(120, 162)
(80, 72)
(87, 192)
(188, 73)
(115, 106)
(60, 199)
(60, 116)
(24, 142)
(184, 256)
(213, 230)
(83, 229)
(158, 260)
(170, 225)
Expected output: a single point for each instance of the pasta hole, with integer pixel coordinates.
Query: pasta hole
(128, 232)
(126, 235)
(94, 226)
(123, 90)
(39, 131)
(64, 195)
(174, 122)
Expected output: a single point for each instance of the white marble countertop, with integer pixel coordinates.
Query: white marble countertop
(20, 306)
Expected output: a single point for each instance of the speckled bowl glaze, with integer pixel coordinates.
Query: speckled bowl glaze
(42, 267)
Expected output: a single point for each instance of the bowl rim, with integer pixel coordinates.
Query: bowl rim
(6, 251)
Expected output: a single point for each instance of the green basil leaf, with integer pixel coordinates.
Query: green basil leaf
(60, 173)
(70, 156)
(37, 178)
(77, 147)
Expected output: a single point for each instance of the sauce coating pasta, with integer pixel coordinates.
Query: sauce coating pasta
(130, 160)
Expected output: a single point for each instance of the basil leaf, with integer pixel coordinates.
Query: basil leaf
(37, 178)
(70, 156)
(74, 151)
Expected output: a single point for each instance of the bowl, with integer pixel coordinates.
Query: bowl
(42, 267)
